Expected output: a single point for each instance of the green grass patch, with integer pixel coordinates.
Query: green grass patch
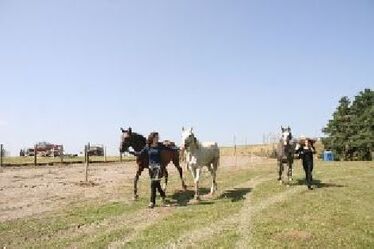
(225, 240)
(183, 220)
(40, 232)
(337, 214)
(191, 217)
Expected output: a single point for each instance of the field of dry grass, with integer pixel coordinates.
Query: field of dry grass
(263, 150)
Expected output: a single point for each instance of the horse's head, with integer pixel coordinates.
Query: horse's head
(126, 139)
(286, 136)
(188, 138)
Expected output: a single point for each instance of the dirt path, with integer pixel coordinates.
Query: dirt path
(193, 237)
(32, 191)
(41, 191)
(240, 221)
(149, 218)
(136, 222)
(248, 211)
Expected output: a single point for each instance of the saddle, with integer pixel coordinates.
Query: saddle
(169, 144)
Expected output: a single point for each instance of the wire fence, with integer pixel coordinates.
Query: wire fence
(39, 159)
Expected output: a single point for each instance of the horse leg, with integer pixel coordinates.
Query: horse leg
(280, 170)
(136, 179)
(166, 180)
(215, 167)
(195, 172)
(197, 179)
(180, 170)
(289, 173)
(212, 171)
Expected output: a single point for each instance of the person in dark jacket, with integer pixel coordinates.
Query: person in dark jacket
(153, 150)
(305, 153)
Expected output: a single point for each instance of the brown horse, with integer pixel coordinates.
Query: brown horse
(138, 142)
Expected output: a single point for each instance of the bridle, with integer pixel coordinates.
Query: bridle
(191, 140)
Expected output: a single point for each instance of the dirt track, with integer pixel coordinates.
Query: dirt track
(30, 191)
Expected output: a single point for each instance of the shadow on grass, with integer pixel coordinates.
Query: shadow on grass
(182, 198)
(236, 194)
(319, 184)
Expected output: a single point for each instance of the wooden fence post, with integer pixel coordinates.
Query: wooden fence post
(1, 155)
(62, 154)
(87, 149)
(84, 153)
(120, 157)
(35, 155)
(104, 153)
(235, 154)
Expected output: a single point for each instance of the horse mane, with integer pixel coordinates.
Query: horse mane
(138, 135)
(197, 142)
(139, 140)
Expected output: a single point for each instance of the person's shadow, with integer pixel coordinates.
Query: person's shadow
(319, 184)
(236, 194)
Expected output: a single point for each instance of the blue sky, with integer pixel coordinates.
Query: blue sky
(73, 72)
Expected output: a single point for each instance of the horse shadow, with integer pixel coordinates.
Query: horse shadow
(236, 194)
(182, 198)
(319, 184)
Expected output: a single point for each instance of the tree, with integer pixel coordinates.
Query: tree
(350, 131)
(338, 130)
(362, 111)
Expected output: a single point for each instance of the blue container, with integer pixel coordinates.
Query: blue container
(328, 156)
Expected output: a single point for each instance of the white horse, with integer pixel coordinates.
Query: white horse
(199, 155)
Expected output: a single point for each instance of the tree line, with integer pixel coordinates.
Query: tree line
(350, 132)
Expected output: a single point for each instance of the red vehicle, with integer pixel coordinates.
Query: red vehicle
(45, 149)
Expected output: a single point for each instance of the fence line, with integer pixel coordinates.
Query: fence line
(37, 159)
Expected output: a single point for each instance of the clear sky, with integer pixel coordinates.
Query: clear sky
(73, 72)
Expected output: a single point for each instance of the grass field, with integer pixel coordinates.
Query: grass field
(251, 210)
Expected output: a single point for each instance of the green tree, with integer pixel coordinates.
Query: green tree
(337, 129)
(362, 112)
(350, 131)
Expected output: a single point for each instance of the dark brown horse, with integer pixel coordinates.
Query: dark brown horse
(138, 142)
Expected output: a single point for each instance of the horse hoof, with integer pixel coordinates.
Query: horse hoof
(280, 182)
(184, 187)
(135, 198)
